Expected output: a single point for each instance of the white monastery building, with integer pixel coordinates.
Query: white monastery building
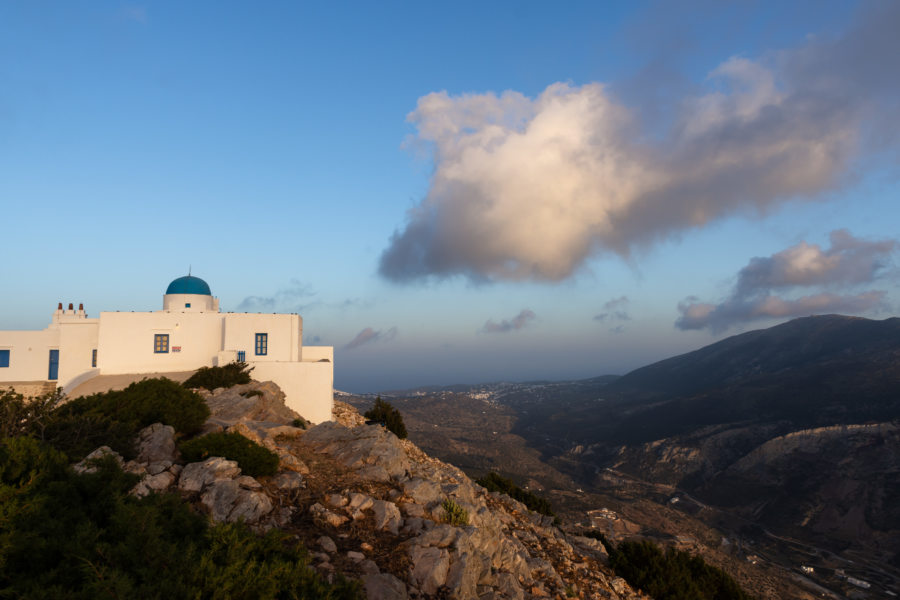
(188, 333)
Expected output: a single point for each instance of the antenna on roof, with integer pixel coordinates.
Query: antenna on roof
(189, 270)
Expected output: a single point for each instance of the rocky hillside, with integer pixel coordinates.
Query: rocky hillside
(375, 508)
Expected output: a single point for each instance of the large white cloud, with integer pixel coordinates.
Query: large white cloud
(529, 188)
(848, 263)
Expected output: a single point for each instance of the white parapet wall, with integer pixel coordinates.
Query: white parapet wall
(308, 386)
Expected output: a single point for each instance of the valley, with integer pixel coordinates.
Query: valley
(774, 454)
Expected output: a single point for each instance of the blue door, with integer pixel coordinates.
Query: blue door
(54, 365)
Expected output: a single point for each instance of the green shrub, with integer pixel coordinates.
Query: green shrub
(253, 459)
(114, 418)
(234, 373)
(145, 402)
(300, 423)
(64, 535)
(494, 482)
(388, 416)
(251, 393)
(671, 575)
(21, 416)
(454, 514)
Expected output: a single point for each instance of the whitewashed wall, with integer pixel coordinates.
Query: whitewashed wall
(126, 341)
(29, 355)
(308, 386)
(77, 340)
(284, 333)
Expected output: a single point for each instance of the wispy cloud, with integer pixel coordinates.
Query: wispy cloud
(574, 163)
(370, 336)
(518, 322)
(848, 263)
(288, 299)
(614, 311)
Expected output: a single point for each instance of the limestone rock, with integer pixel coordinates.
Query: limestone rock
(359, 447)
(154, 483)
(156, 444)
(288, 481)
(387, 516)
(88, 464)
(384, 586)
(323, 516)
(228, 502)
(428, 568)
(327, 544)
(422, 491)
(229, 406)
(360, 501)
(196, 476)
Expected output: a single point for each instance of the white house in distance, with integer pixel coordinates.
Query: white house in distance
(188, 333)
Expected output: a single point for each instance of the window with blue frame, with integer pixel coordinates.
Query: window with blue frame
(262, 344)
(187, 304)
(94, 357)
(4, 358)
(160, 343)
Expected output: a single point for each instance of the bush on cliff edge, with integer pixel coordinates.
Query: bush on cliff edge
(384, 413)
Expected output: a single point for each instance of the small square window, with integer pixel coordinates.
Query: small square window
(94, 357)
(4, 358)
(262, 344)
(160, 343)
(187, 304)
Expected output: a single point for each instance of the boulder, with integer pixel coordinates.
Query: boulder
(359, 447)
(229, 406)
(422, 491)
(428, 568)
(327, 544)
(384, 586)
(387, 516)
(198, 475)
(156, 444)
(228, 502)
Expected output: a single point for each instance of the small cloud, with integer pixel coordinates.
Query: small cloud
(287, 299)
(614, 310)
(518, 322)
(369, 335)
(849, 262)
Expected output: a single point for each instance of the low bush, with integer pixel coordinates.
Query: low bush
(65, 535)
(300, 423)
(234, 373)
(110, 418)
(253, 459)
(671, 575)
(494, 482)
(384, 413)
(251, 393)
(454, 514)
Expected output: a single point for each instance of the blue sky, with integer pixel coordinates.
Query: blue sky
(458, 193)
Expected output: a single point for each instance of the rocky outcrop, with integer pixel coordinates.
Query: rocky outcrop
(254, 401)
(504, 551)
(370, 506)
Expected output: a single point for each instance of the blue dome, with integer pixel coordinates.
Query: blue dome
(189, 285)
